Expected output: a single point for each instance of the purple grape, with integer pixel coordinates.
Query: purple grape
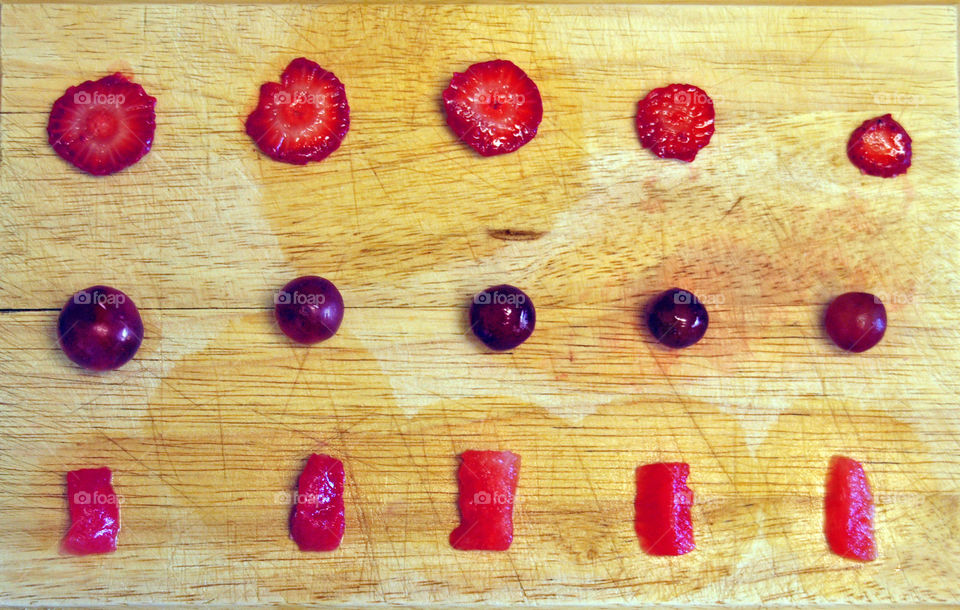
(309, 309)
(100, 328)
(502, 317)
(856, 321)
(677, 318)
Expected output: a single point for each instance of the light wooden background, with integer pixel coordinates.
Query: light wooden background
(207, 429)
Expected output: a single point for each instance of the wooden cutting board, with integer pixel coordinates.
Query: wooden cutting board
(207, 429)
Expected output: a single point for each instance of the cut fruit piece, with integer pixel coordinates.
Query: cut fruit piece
(488, 483)
(663, 503)
(94, 512)
(317, 520)
(493, 106)
(675, 121)
(302, 118)
(103, 126)
(849, 511)
(880, 147)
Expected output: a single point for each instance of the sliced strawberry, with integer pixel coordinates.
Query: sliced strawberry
(675, 121)
(494, 107)
(302, 118)
(880, 147)
(488, 483)
(848, 505)
(103, 126)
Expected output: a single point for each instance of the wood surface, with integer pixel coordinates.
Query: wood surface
(207, 429)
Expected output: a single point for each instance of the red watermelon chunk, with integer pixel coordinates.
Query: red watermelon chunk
(94, 512)
(663, 504)
(317, 521)
(488, 483)
(849, 511)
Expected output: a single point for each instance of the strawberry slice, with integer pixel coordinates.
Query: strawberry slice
(103, 126)
(317, 520)
(663, 503)
(302, 118)
(880, 147)
(94, 512)
(675, 121)
(493, 106)
(488, 483)
(848, 505)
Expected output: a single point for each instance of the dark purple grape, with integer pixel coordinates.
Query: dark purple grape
(100, 328)
(677, 318)
(309, 309)
(856, 321)
(502, 317)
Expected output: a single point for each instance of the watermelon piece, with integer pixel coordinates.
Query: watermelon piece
(488, 484)
(663, 504)
(848, 505)
(317, 520)
(94, 512)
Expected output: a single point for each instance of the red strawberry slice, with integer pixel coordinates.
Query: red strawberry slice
(488, 483)
(94, 512)
(849, 511)
(675, 121)
(302, 118)
(103, 126)
(663, 503)
(317, 520)
(493, 106)
(880, 147)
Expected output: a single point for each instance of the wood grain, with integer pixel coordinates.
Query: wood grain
(208, 427)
